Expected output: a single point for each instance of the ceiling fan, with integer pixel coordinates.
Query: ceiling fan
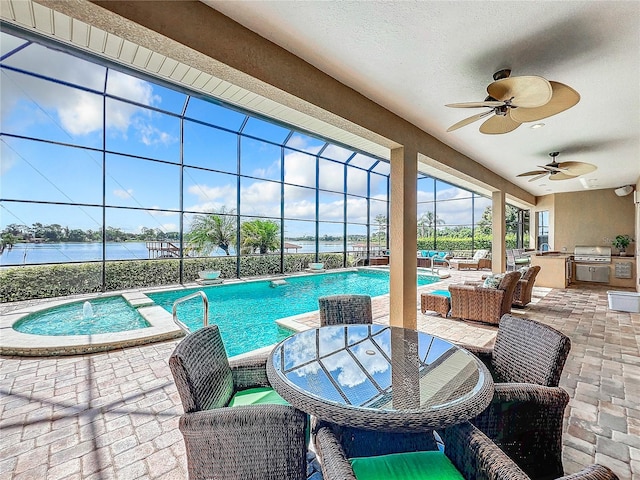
(515, 100)
(560, 171)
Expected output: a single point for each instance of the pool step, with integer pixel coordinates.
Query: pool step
(137, 299)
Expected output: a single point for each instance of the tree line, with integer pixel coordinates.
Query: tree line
(209, 231)
(55, 233)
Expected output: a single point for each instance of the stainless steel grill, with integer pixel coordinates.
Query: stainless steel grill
(583, 254)
(592, 263)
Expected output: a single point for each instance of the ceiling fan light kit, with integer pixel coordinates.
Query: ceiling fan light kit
(517, 100)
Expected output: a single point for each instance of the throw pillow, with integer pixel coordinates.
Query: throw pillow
(493, 281)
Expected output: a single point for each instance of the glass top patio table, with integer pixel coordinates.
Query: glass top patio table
(377, 377)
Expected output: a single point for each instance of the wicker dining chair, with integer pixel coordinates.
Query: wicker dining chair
(470, 451)
(345, 309)
(483, 304)
(526, 413)
(251, 441)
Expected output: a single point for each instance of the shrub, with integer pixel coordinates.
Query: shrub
(59, 280)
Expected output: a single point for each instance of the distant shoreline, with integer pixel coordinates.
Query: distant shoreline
(62, 252)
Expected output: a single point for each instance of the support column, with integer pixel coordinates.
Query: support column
(402, 238)
(499, 231)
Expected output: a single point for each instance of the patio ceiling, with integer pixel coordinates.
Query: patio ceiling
(412, 58)
(415, 57)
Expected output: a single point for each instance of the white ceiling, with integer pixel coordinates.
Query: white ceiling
(414, 57)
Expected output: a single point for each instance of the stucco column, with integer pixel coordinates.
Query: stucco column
(499, 231)
(403, 234)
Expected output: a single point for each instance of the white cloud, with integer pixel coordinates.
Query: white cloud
(332, 210)
(299, 142)
(300, 169)
(269, 171)
(79, 112)
(226, 193)
(150, 135)
(7, 157)
(261, 198)
(331, 176)
(123, 193)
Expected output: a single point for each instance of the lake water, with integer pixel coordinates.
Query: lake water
(35, 253)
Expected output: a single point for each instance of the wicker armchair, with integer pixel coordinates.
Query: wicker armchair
(475, 302)
(265, 441)
(524, 287)
(345, 309)
(472, 453)
(526, 413)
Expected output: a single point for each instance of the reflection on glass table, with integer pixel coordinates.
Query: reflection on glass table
(380, 378)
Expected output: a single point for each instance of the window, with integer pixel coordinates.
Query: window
(543, 231)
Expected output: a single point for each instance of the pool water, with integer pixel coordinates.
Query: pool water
(107, 315)
(246, 312)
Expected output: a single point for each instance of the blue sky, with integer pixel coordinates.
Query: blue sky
(34, 107)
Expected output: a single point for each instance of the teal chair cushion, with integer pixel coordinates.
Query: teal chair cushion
(442, 254)
(432, 253)
(444, 293)
(424, 253)
(257, 396)
(431, 465)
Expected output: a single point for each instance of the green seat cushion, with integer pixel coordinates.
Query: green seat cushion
(262, 396)
(257, 396)
(431, 465)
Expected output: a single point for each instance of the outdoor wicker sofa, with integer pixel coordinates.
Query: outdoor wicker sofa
(483, 304)
(525, 417)
(470, 451)
(254, 438)
(345, 309)
(468, 263)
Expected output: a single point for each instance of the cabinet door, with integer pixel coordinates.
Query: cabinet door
(582, 273)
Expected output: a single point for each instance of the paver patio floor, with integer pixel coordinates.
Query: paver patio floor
(115, 414)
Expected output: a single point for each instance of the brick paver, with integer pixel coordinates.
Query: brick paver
(115, 414)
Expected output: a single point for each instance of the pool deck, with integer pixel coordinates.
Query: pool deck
(114, 415)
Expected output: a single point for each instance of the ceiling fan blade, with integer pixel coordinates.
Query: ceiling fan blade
(499, 124)
(469, 120)
(528, 91)
(550, 168)
(490, 104)
(538, 177)
(564, 97)
(561, 176)
(533, 172)
(576, 168)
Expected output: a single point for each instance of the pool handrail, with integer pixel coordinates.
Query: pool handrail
(205, 305)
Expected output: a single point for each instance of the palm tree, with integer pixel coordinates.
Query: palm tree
(381, 221)
(261, 235)
(212, 230)
(428, 221)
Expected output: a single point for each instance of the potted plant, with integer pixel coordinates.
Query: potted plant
(621, 242)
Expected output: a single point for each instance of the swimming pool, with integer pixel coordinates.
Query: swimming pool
(246, 312)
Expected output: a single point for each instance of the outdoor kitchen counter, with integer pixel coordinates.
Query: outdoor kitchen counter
(553, 269)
